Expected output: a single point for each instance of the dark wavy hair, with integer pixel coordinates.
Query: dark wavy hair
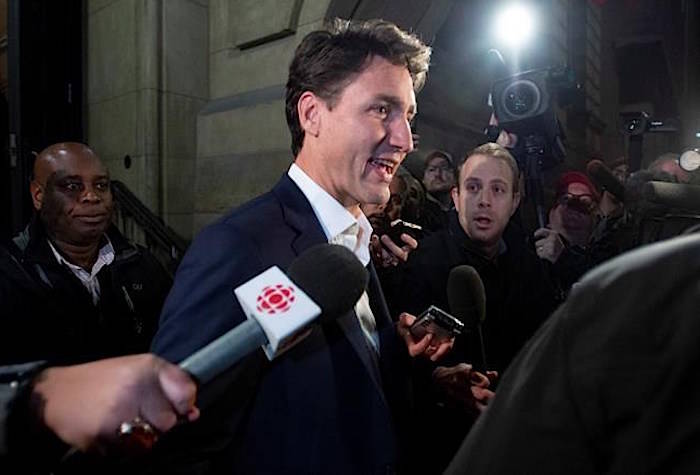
(327, 60)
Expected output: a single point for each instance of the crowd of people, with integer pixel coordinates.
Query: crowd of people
(362, 394)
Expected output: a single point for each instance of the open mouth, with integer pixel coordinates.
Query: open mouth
(384, 166)
(483, 221)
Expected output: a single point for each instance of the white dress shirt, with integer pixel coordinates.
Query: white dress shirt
(105, 257)
(342, 228)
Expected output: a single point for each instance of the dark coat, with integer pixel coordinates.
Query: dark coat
(518, 299)
(610, 383)
(433, 216)
(323, 407)
(47, 313)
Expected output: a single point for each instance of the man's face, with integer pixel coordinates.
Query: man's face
(674, 169)
(439, 177)
(363, 138)
(621, 172)
(76, 206)
(484, 198)
(574, 210)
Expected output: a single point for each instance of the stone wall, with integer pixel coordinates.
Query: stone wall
(243, 144)
(193, 90)
(146, 76)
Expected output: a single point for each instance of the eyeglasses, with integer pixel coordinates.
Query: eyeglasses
(584, 203)
(441, 169)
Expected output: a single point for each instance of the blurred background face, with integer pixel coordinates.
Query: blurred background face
(574, 209)
(439, 176)
(77, 202)
(621, 172)
(380, 215)
(674, 169)
(397, 191)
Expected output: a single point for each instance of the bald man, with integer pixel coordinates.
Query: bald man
(74, 288)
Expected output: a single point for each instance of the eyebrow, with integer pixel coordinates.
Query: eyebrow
(490, 182)
(64, 176)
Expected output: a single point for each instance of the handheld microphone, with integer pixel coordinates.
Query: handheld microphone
(467, 299)
(604, 179)
(326, 279)
(673, 195)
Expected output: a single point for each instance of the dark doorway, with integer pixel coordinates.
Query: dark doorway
(45, 91)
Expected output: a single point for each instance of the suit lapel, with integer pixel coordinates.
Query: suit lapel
(299, 215)
(350, 326)
(376, 299)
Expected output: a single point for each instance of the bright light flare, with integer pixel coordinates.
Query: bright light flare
(515, 25)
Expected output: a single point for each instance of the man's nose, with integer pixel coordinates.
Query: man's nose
(401, 137)
(485, 198)
(91, 195)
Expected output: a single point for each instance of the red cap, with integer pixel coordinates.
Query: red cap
(574, 177)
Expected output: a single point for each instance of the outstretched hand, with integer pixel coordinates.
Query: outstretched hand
(84, 405)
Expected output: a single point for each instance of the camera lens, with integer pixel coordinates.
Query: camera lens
(521, 98)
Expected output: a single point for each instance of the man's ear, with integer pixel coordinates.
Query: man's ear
(37, 192)
(309, 111)
(455, 196)
(516, 202)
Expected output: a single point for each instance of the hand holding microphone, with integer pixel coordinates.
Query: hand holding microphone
(467, 298)
(670, 195)
(325, 280)
(82, 404)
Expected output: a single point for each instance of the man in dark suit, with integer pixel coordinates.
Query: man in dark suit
(332, 403)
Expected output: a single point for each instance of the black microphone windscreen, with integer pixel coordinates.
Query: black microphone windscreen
(332, 276)
(673, 195)
(466, 296)
(604, 179)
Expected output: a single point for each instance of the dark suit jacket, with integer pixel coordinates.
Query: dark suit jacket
(325, 406)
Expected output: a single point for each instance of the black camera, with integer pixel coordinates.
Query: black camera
(524, 103)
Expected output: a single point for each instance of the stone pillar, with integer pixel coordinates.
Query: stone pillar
(146, 81)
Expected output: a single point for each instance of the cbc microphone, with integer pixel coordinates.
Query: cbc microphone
(325, 280)
(467, 300)
(603, 178)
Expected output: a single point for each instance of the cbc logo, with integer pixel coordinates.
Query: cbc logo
(275, 299)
